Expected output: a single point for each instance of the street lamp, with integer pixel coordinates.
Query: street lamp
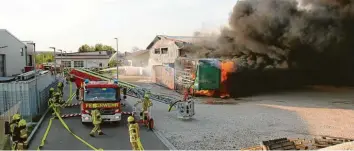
(55, 63)
(61, 59)
(117, 56)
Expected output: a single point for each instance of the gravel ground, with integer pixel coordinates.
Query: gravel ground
(253, 119)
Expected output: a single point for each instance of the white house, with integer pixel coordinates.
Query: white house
(95, 59)
(139, 58)
(165, 49)
(13, 54)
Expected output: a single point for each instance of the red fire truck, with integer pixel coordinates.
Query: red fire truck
(102, 95)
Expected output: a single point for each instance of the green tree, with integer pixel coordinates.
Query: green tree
(85, 48)
(97, 47)
(44, 57)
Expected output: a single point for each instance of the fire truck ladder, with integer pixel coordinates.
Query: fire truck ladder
(134, 90)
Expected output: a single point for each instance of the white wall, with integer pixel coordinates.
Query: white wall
(14, 62)
(88, 63)
(159, 59)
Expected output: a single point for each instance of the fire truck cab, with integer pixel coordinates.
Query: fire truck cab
(101, 95)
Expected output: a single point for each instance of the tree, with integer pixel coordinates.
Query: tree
(44, 57)
(97, 47)
(85, 48)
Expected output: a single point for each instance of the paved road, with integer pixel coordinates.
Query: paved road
(116, 138)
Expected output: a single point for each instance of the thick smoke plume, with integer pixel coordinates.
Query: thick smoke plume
(304, 34)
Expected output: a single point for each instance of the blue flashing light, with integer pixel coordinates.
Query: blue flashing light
(115, 81)
(87, 81)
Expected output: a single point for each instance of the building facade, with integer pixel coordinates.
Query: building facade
(96, 59)
(13, 55)
(166, 49)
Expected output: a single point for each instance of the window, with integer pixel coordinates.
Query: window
(157, 51)
(164, 50)
(101, 94)
(66, 63)
(21, 51)
(78, 64)
(100, 64)
(2, 65)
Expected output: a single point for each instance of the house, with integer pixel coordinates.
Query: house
(30, 53)
(138, 58)
(95, 59)
(165, 49)
(13, 54)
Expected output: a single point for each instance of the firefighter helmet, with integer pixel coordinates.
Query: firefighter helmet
(16, 117)
(51, 89)
(22, 123)
(130, 119)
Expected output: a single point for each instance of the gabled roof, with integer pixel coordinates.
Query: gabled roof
(4, 30)
(179, 40)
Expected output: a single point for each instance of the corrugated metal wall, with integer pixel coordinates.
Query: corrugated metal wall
(164, 75)
(21, 96)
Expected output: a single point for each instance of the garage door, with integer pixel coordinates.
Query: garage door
(2, 65)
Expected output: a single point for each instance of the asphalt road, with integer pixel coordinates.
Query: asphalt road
(116, 138)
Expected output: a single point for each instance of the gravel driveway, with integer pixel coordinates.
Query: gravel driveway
(253, 119)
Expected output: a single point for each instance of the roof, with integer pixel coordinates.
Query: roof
(137, 53)
(89, 53)
(4, 30)
(84, 57)
(179, 40)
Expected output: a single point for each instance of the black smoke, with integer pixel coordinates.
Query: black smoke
(311, 38)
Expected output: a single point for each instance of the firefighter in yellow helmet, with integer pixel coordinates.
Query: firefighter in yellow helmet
(21, 134)
(54, 103)
(146, 103)
(13, 126)
(60, 88)
(134, 134)
(96, 121)
(51, 92)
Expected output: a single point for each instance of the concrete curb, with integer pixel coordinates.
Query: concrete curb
(30, 137)
(164, 140)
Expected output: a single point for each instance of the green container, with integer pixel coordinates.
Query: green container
(208, 75)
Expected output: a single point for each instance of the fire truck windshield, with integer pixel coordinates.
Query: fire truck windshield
(100, 94)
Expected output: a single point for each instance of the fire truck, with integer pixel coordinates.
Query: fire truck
(102, 95)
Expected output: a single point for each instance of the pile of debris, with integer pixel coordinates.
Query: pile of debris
(323, 142)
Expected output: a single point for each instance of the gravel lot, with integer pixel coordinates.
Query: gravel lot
(253, 119)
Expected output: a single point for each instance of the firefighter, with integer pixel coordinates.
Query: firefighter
(146, 103)
(54, 103)
(60, 88)
(13, 125)
(96, 121)
(22, 131)
(134, 134)
(51, 92)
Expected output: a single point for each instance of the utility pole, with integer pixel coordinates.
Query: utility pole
(61, 59)
(55, 63)
(117, 56)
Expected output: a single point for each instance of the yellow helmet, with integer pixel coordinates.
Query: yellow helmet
(16, 117)
(130, 119)
(22, 123)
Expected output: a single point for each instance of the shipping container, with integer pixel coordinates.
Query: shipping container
(208, 75)
(203, 74)
(23, 93)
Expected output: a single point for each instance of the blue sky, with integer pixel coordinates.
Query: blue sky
(67, 24)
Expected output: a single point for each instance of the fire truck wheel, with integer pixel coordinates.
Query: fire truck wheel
(151, 124)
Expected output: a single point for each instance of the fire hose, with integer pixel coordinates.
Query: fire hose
(66, 127)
